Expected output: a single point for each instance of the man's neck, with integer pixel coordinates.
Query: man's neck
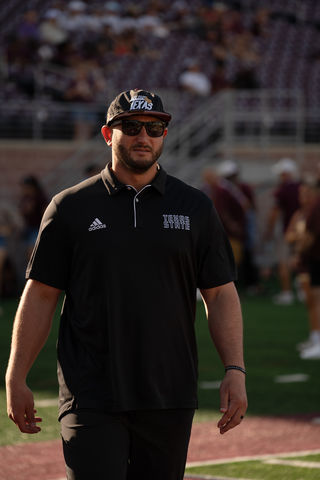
(136, 180)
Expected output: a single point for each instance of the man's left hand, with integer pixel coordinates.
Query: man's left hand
(233, 400)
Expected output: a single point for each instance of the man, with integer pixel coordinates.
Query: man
(129, 247)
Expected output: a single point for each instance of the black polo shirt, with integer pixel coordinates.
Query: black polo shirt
(129, 264)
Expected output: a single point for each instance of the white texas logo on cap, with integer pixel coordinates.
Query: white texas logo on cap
(141, 103)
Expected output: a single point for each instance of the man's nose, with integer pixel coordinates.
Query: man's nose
(143, 133)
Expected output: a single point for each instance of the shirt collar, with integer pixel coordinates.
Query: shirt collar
(113, 185)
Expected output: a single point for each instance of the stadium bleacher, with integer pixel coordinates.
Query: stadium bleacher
(287, 49)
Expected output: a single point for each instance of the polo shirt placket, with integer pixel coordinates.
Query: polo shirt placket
(136, 202)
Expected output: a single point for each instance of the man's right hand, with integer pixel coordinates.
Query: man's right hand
(20, 408)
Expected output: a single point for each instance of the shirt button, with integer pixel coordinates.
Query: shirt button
(137, 200)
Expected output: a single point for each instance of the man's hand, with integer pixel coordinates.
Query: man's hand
(233, 400)
(20, 408)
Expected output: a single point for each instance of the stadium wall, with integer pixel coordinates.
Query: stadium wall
(41, 158)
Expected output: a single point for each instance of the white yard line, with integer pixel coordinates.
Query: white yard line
(292, 463)
(293, 378)
(209, 477)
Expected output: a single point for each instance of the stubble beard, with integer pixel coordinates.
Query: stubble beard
(137, 166)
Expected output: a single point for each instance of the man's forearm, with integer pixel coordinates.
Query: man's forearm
(31, 328)
(225, 324)
(226, 329)
(30, 331)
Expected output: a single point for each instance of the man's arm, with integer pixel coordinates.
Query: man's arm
(30, 331)
(225, 324)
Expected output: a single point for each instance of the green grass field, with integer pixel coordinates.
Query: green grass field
(271, 334)
(280, 468)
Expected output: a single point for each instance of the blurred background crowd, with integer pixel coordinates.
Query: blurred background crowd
(77, 51)
(62, 61)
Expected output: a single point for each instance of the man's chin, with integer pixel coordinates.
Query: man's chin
(140, 165)
(140, 168)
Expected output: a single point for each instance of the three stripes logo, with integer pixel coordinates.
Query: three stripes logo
(96, 225)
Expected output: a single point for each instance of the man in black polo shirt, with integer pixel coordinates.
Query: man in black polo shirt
(128, 247)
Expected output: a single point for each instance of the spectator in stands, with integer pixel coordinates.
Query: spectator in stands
(219, 79)
(51, 32)
(194, 80)
(246, 79)
(245, 49)
(150, 22)
(286, 203)
(295, 236)
(32, 203)
(104, 45)
(232, 22)
(183, 17)
(126, 43)
(83, 90)
(20, 60)
(111, 17)
(76, 18)
(64, 54)
(261, 23)
(28, 28)
(220, 47)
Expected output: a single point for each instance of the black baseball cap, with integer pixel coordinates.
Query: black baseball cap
(135, 102)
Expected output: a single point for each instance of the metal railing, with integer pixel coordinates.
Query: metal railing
(214, 129)
(221, 124)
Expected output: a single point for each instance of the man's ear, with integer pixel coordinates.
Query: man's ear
(107, 134)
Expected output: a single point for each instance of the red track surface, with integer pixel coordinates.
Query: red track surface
(255, 436)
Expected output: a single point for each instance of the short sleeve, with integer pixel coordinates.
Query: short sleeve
(50, 259)
(216, 261)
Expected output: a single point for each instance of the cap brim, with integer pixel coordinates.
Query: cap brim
(166, 117)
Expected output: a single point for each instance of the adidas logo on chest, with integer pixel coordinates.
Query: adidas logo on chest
(96, 225)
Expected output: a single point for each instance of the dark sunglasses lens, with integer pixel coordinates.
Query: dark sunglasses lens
(133, 127)
(155, 129)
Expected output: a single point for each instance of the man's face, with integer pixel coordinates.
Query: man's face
(137, 153)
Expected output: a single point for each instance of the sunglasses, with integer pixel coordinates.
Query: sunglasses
(133, 127)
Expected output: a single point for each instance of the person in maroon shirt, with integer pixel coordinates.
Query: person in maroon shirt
(311, 255)
(296, 237)
(286, 203)
(243, 209)
(231, 205)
